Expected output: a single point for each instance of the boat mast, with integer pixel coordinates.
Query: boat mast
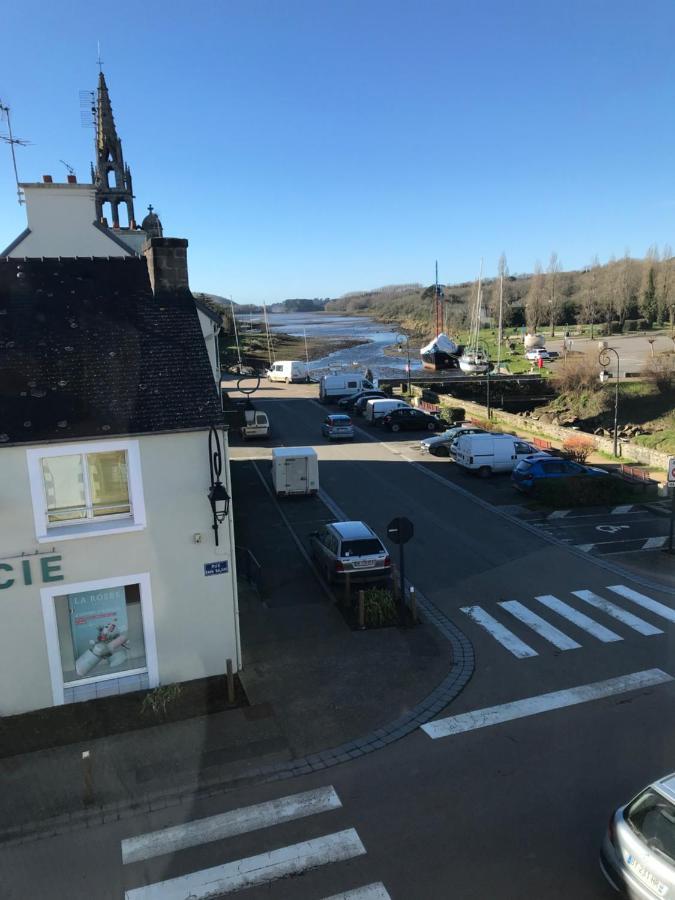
(304, 331)
(501, 311)
(236, 334)
(438, 303)
(267, 328)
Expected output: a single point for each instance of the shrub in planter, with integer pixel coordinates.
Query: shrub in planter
(583, 490)
(578, 449)
(379, 608)
(454, 413)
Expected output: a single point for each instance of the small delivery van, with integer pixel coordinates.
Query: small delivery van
(295, 470)
(378, 409)
(287, 370)
(488, 452)
(333, 387)
(256, 424)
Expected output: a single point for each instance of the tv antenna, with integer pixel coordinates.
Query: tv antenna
(87, 109)
(71, 170)
(12, 141)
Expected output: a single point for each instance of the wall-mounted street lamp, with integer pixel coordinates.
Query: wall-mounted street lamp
(219, 499)
(604, 359)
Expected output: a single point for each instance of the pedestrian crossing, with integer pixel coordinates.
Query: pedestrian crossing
(261, 869)
(512, 613)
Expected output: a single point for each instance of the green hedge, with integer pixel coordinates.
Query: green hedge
(585, 491)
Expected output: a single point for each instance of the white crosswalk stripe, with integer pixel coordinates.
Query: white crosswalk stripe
(553, 635)
(258, 869)
(541, 626)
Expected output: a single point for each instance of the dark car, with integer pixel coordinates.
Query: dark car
(411, 419)
(540, 466)
(351, 401)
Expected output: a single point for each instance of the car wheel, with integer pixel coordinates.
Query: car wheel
(394, 427)
(431, 426)
(288, 381)
(442, 451)
(484, 472)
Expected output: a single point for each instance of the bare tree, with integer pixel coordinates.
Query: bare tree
(623, 287)
(665, 285)
(589, 300)
(535, 302)
(648, 292)
(554, 298)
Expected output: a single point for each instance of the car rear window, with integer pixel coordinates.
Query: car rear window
(652, 818)
(362, 547)
(523, 467)
(341, 420)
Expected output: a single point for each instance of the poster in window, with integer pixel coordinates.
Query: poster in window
(99, 628)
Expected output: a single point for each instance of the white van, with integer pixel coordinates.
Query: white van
(287, 370)
(333, 387)
(295, 470)
(378, 409)
(257, 424)
(487, 453)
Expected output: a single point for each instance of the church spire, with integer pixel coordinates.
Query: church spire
(111, 176)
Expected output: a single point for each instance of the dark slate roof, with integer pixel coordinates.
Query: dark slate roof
(86, 350)
(210, 313)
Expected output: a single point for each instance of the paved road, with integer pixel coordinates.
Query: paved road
(511, 802)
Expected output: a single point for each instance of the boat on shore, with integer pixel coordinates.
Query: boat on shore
(475, 360)
(441, 353)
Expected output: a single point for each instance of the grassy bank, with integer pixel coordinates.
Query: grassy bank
(255, 351)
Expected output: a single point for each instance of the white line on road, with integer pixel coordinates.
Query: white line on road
(242, 873)
(618, 613)
(531, 706)
(585, 548)
(653, 543)
(541, 626)
(375, 891)
(646, 602)
(579, 619)
(505, 637)
(559, 513)
(224, 825)
(620, 510)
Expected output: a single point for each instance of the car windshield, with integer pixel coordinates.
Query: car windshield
(652, 818)
(361, 547)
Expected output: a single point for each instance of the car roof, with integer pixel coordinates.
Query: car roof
(350, 531)
(666, 786)
(339, 416)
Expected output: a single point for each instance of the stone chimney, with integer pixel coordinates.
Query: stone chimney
(167, 264)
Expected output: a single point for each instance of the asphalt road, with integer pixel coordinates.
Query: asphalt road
(513, 809)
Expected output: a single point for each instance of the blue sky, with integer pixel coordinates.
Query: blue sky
(309, 148)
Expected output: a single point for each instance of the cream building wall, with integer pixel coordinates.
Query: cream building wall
(196, 626)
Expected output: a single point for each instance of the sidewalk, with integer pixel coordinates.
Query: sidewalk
(312, 684)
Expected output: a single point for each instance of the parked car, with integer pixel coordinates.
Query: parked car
(349, 403)
(410, 420)
(537, 353)
(487, 453)
(350, 548)
(541, 466)
(638, 852)
(338, 426)
(439, 444)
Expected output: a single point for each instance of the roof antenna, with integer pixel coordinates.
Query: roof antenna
(71, 170)
(99, 61)
(12, 141)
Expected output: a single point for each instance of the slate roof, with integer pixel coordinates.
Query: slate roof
(87, 350)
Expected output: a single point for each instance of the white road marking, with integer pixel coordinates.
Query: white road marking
(646, 602)
(559, 513)
(620, 510)
(541, 626)
(653, 543)
(585, 548)
(531, 706)
(618, 613)
(242, 873)
(505, 637)
(224, 825)
(375, 891)
(579, 619)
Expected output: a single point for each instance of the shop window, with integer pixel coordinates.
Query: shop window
(79, 491)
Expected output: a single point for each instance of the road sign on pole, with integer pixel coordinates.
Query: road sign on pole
(671, 485)
(400, 531)
(671, 471)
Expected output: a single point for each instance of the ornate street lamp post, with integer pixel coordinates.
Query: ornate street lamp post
(604, 360)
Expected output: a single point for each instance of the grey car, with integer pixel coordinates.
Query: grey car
(638, 852)
(351, 549)
(439, 444)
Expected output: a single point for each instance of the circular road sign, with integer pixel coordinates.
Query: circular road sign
(671, 471)
(400, 530)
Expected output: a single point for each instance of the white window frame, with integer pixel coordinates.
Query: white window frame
(86, 527)
(48, 595)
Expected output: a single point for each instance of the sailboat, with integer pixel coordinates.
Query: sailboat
(474, 360)
(442, 352)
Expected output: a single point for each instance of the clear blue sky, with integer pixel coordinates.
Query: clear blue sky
(309, 148)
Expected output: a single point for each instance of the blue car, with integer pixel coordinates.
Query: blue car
(540, 466)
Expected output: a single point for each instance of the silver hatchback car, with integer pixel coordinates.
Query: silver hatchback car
(351, 549)
(638, 852)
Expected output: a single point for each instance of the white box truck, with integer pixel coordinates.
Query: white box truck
(333, 387)
(288, 370)
(378, 409)
(487, 453)
(295, 470)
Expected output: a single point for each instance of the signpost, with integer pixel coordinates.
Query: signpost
(400, 531)
(671, 485)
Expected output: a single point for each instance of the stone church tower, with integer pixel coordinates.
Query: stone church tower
(110, 175)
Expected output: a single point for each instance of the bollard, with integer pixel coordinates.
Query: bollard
(413, 606)
(347, 589)
(87, 779)
(362, 610)
(230, 683)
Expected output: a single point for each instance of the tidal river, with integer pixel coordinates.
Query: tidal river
(339, 328)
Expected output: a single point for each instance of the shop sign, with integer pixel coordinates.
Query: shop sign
(26, 570)
(216, 568)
